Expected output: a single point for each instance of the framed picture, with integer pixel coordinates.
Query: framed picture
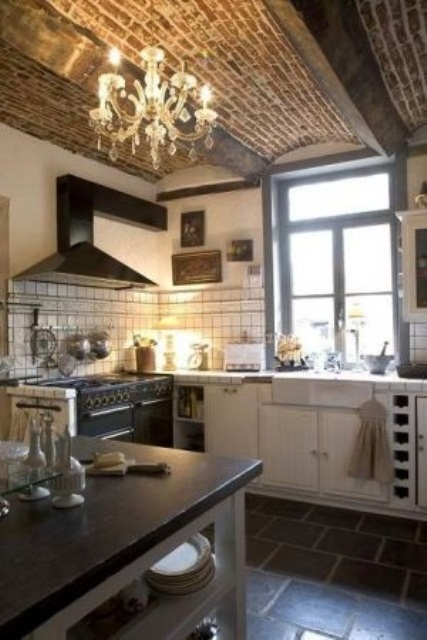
(193, 229)
(240, 251)
(196, 268)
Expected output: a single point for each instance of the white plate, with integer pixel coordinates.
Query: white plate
(190, 585)
(185, 559)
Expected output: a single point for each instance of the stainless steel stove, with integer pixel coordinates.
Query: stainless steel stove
(123, 406)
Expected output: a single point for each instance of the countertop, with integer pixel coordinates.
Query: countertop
(50, 557)
(387, 382)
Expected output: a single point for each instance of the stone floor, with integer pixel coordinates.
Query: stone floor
(322, 573)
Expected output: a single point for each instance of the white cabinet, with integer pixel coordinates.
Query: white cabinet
(231, 420)
(288, 446)
(414, 264)
(338, 429)
(421, 447)
(309, 449)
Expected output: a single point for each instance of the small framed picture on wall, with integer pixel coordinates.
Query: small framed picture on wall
(193, 229)
(240, 251)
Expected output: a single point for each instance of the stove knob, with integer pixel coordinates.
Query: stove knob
(104, 400)
(89, 403)
(112, 399)
(97, 402)
(119, 397)
(126, 396)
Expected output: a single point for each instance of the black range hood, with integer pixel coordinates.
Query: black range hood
(78, 260)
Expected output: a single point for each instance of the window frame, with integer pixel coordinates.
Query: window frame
(277, 243)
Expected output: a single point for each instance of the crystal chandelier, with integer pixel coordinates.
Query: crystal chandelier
(157, 105)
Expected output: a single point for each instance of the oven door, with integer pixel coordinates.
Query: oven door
(153, 423)
(113, 423)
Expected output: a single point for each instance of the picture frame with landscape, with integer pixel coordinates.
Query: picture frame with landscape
(196, 268)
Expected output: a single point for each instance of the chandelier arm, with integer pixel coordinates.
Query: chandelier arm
(121, 113)
(190, 137)
(180, 104)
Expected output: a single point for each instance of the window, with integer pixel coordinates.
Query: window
(335, 267)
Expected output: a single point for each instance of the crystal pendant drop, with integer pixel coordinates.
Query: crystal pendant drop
(184, 116)
(192, 155)
(172, 149)
(209, 142)
(113, 154)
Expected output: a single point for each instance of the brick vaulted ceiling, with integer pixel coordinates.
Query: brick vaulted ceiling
(285, 73)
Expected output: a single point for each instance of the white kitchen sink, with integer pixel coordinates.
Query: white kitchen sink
(321, 393)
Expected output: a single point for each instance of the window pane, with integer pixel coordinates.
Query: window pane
(311, 263)
(313, 323)
(367, 259)
(375, 325)
(339, 197)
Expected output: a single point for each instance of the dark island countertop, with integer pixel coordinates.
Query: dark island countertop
(49, 557)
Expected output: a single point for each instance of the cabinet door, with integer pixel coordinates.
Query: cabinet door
(231, 420)
(422, 452)
(414, 263)
(338, 432)
(288, 446)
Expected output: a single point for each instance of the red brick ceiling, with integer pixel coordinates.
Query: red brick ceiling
(268, 95)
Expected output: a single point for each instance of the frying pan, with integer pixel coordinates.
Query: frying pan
(43, 341)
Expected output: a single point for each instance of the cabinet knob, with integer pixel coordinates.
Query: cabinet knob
(420, 448)
(325, 455)
(420, 436)
(313, 452)
(228, 390)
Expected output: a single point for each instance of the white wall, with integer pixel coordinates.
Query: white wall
(28, 171)
(234, 215)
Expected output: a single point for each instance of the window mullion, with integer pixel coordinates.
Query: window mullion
(339, 297)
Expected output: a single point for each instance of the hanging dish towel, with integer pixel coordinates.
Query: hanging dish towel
(371, 459)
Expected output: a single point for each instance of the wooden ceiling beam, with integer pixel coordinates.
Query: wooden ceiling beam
(330, 37)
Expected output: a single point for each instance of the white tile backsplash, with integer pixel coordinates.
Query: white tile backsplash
(418, 342)
(216, 317)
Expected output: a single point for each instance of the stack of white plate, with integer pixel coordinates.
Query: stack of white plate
(186, 569)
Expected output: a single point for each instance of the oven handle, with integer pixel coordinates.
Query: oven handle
(146, 403)
(107, 412)
(114, 434)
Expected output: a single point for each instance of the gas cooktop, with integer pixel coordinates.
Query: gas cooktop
(102, 380)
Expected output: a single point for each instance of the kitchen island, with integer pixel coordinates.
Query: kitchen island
(59, 565)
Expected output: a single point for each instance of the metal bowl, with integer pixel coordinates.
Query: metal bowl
(78, 346)
(100, 344)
